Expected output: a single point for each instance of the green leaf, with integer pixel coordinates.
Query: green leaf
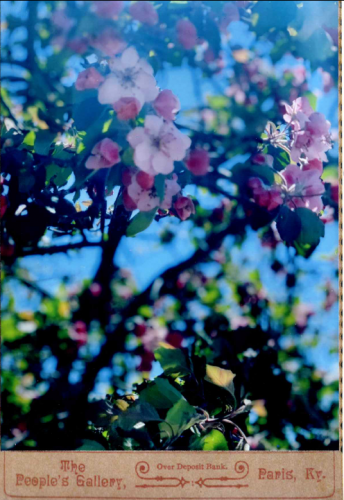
(288, 225)
(86, 113)
(114, 178)
(273, 14)
(242, 172)
(281, 158)
(107, 125)
(330, 171)
(160, 394)
(159, 184)
(60, 153)
(29, 140)
(218, 101)
(9, 330)
(185, 177)
(128, 157)
(59, 175)
(220, 377)
(316, 49)
(26, 181)
(141, 411)
(214, 440)
(173, 362)
(179, 418)
(90, 445)
(312, 229)
(145, 311)
(44, 138)
(312, 98)
(140, 222)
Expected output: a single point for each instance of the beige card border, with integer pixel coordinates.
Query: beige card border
(251, 457)
(243, 457)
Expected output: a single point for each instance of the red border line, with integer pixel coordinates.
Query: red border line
(179, 497)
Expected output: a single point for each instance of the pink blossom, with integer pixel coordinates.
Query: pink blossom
(141, 193)
(327, 81)
(302, 313)
(299, 74)
(154, 334)
(96, 289)
(59, 42)
(140, 329)
(108, 42)
(130, 77)
(317, 125)
(158, 145)
(128, 202)
(147, 199)
(310, 136)
(209, 56)
(108, 8)
(265, 196)
(184, 207)
(334, 190)
(127, 108)
(311, 146)
(219, 213)
(303, 188)
(7, 250)
(171, 189)
(242, 5)
(145, 181)
(3, 206)
(105, 154)
(62, 21)
(175, 339)
(78, 332)
(297, 114)
(230, 14)
(239, 322)
(260, 159)
(144, 12)
(186, 34)
(126, 177)
(314, 165)
(331, 296)
(90, 78)
(167, 105)
(198, 162)
(146, 364)
(78, 45)
(237, 92)
(144, 199)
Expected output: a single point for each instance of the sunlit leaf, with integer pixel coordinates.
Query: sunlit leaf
(220, 377)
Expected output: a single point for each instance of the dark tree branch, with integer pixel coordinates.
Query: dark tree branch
(57, 249)
(30, 284)
(115, 340)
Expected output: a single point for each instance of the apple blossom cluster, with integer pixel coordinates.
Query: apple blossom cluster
(128, 87)
(186, 34)
(310, 132)
(306, 138)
